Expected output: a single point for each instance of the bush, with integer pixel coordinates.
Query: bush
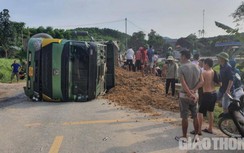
(160, 64)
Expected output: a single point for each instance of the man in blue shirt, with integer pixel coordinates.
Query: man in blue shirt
(226, 79)
(150, 54)
(15, 70)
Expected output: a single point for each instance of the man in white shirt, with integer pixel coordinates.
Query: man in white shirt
(130, 56)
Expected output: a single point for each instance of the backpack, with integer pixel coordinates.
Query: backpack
(236, 80)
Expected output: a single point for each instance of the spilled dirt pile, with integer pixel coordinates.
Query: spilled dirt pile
(141, 93)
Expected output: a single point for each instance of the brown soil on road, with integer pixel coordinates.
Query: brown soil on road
(140, 93)
(10, 89)
(132, 91)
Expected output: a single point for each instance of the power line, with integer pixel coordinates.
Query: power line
(91, 24)
(100, 23)
(138, 26)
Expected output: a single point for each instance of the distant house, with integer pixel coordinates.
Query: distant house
(228, 44)
(232, 48)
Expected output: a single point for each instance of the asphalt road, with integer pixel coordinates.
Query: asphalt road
(91, 127)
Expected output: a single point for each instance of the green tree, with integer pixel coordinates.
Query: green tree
(228, 29)
(49, 30)
(40, 29)
(238, 15)
(58, 33)
(32, 31)
(18, 33)
(192, 39)
(6, 31)
(155, 40)
(184, 42)
(67, 34)
(137, 40)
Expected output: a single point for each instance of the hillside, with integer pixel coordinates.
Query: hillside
(105, 34)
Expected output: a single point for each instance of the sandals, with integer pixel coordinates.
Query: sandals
(207, 131)
(194, 133)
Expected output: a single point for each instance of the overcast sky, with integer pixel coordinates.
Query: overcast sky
(171, 18)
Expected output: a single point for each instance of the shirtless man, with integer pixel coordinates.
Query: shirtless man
(209, 96)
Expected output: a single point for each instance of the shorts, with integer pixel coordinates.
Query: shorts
(224, 99)
(138, 63)
(208, 102)
(129, 62)
(186, 105)
(13, 74)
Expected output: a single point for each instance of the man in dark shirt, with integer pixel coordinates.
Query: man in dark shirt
(236, 74)
(226, 79)
(15, 70)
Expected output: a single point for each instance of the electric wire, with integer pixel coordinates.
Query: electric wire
(89, 24)
(137, 26)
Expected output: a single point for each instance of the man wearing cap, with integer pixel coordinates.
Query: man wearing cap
(172, 75)
(226, 79)
(191, 79)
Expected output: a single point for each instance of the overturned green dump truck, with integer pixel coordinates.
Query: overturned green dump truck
(68, 70)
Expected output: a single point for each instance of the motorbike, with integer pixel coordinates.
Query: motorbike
(22, 74)
(232, 123)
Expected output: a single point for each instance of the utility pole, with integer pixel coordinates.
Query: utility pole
(22, 35)
(126, 33)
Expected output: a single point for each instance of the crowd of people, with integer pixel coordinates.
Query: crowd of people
(143, 60)
(198, 94)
